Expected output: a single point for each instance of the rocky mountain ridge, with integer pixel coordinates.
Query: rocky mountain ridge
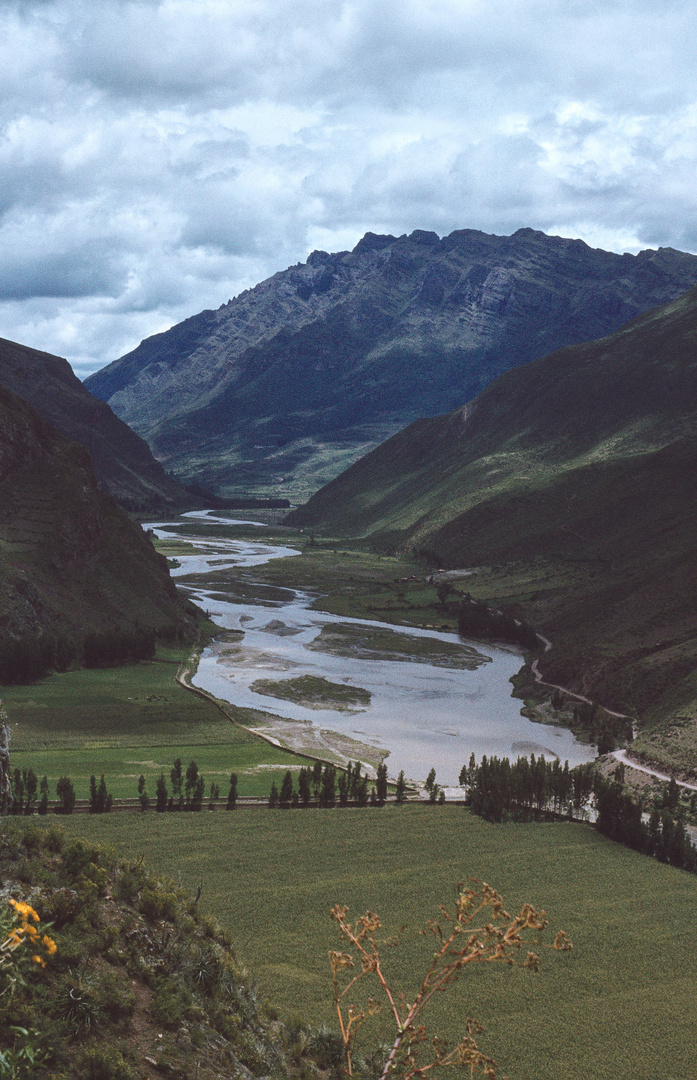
(284, 386)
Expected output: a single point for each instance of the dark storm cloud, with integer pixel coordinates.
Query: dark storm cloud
(157, 156)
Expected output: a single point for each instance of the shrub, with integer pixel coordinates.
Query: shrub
(106, 1063)
(170, 1002)
(158, 902)
(115, 995)
(131, 880)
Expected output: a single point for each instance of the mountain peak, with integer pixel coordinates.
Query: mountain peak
(276, 392)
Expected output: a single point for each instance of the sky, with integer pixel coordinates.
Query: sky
(157, 157)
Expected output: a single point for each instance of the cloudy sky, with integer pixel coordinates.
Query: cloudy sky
(158, 157)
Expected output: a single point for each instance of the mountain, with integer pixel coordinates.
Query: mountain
(286, 385)
(122, 460)
(79, 581)
(570, 487)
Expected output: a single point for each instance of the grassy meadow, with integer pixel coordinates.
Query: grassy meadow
(621, 1006)
(133, 719)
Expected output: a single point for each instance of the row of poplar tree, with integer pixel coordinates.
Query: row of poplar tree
(662, 833)
(501, 790)
(325, 786)
(529, 789)
(30, 795)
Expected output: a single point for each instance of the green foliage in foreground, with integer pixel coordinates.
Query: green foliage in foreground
(621, 1006)
(133, 978)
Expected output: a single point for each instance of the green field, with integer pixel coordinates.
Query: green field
(124, 721)
(621, 1006)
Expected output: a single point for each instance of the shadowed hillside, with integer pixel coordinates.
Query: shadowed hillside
(571, 486)
(79, 581)
(122, 460)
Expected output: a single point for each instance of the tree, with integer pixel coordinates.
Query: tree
(468, 773)
(327, 795)
(100, 800)
(401, 789)
(286, 790)
(43, 801)
(317, 778)
(232, 794)
(381, 784)
(430, 781)
(18, 792)
(30, 785)
(273, 797)
(161, 796)
(191, 785)
(142, 793)
(213, 797)
(104, 799)
(66, 796)
(304, 790)
(476, 929)
(177, 780)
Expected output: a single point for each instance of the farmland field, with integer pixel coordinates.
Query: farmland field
(133, 719)
(622, 1005)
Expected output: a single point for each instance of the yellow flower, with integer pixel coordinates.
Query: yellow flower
(50, 944)
(39, 960)
(25, 910)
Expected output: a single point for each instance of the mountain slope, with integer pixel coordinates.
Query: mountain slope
(578, 474)
(291, 381)
(72, 563)
(122, 460)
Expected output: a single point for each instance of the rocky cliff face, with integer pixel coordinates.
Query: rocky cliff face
(284, 386)
(72, 563)
(122, 460)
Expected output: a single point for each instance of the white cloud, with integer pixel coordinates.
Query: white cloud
(157, 156)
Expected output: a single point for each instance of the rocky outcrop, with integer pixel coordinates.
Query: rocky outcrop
(280, 389)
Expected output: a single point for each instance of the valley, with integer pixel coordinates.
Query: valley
(627, 915)
(514, 577)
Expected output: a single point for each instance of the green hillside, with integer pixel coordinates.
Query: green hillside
(570, 486)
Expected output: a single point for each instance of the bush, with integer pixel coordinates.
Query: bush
(115, 996)
(158, 903)
(106, 1063)
(170, 1003)
(131, 880)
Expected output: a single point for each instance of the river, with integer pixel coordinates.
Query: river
(434, 698)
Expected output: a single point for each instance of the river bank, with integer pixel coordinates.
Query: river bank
(425, 698)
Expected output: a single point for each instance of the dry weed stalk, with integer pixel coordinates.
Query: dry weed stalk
(477, 930)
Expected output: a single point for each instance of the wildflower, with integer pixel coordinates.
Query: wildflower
(49, 944)
(39, 960)
(25, 910)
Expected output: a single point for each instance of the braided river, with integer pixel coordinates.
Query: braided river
(416, 698)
